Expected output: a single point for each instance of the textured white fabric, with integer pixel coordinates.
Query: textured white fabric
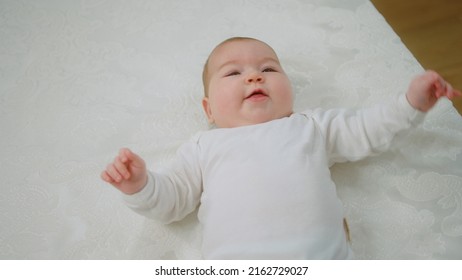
(80, 79)
(265, 191)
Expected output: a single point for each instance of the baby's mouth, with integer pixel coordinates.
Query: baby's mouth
(257, 94)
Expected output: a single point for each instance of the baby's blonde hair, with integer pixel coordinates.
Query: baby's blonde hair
(205, 73)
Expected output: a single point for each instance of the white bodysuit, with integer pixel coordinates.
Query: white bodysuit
(265, 191)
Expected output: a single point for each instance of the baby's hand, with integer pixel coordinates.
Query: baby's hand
(127, 172)
(427, 88)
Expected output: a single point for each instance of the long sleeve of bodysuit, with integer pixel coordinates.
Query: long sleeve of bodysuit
(352, 135)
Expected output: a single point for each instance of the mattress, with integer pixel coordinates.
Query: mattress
(81, 79)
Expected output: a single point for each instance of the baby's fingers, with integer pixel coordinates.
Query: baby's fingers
(440, 86)
(451, 93)
(458, 93)
(106, 177)
(445, 89)
(114, 173)
(121, 168)
(127, 155)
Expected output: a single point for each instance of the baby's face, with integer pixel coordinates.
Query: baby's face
(247, 85)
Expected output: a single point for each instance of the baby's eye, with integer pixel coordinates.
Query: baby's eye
(269, 69)
(233, 73)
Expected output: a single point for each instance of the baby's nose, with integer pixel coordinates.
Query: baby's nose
(255, 78)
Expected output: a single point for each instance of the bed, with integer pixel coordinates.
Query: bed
(81, 79)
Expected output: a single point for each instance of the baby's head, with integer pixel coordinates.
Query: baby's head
(245, 84)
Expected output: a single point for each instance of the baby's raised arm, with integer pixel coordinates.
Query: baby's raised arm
(352, 135)
(127, 172)
(425, 90)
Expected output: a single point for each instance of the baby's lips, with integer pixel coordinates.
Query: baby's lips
(256, 92)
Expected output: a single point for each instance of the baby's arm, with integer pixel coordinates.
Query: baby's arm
(353, 135)
(425, 90)
(167, 195)
(127, 172)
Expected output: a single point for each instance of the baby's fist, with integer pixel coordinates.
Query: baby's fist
(425, 90)
(127, 172)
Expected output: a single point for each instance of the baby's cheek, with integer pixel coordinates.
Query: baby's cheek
(223, 108)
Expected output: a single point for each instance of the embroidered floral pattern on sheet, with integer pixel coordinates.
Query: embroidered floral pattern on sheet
(80, 79)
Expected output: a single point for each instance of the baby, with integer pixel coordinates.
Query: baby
(261, 178)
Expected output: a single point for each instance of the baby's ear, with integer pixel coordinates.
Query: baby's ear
(207, 109)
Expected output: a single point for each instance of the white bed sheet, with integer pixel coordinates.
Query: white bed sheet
(80, 79)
